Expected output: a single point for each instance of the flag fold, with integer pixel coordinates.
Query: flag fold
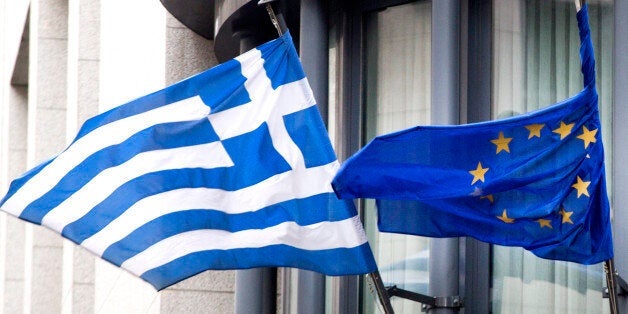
(535, 180)
(229, 169)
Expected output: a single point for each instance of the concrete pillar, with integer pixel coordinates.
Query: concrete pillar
(13, 229)
(46, 133)
(82, 103)
(212, 291)
(186, 52)
(13, 128)
(131, 65)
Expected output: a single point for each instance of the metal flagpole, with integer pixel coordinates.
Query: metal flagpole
(609, 266)
(277, 21)
(382, 294)
(609, 269)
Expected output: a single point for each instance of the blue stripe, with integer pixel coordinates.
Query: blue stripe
(180, 91)
(254, 157)
(333, 262)
(226, 90)
(255, 160)
(161, 136)
(19, 182)
(217, 77)
(281, 61)
(221, 88)
(308, 132)
(304, 211)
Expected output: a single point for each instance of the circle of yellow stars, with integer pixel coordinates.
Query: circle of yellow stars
(502, 145)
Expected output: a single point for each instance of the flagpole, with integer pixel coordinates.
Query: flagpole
(609, 265)
(277, 20)
(609, 269)
(382, 293)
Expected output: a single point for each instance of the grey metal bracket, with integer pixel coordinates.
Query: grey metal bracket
(428, 302)
(622, 287)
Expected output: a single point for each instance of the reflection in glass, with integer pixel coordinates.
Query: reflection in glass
(397, 93)
(535, 64)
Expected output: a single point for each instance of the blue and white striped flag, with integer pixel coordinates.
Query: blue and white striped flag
(229, 169)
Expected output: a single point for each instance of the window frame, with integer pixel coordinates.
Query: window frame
(475, 98)
(475, 53)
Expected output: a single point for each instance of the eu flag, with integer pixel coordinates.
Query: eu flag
(535, 180)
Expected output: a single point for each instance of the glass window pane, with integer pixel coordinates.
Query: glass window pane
(535, 64)
(397, 93)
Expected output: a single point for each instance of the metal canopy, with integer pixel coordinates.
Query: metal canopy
(197, 15)
(250, 25)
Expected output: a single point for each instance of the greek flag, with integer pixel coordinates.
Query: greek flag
(229, 169)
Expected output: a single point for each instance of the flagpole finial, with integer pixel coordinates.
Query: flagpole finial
(579, 4)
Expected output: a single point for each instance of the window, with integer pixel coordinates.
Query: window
(516, 56)
(397, 56)
(379, 82)
(535, 64)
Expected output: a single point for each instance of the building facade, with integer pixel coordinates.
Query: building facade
(376, 67)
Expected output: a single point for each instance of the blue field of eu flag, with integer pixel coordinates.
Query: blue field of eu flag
(228, 169)
(535, 180)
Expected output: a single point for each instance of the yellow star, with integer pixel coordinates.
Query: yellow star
(564, 129)
(587, 136)
(535, 130)
(478, 173)
(545, 223)
(502, 143)
(505, 218)
(566, 216)
(489, 197)
(581, 186)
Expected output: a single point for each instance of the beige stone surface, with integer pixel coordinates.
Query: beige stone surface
(191, 302)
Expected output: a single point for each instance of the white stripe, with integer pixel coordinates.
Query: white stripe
(287, 99)
(267, 105)
(279, 188)
(257, 83)
(210, 155)
(320, 236)
(109, 134)
(283, 143)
